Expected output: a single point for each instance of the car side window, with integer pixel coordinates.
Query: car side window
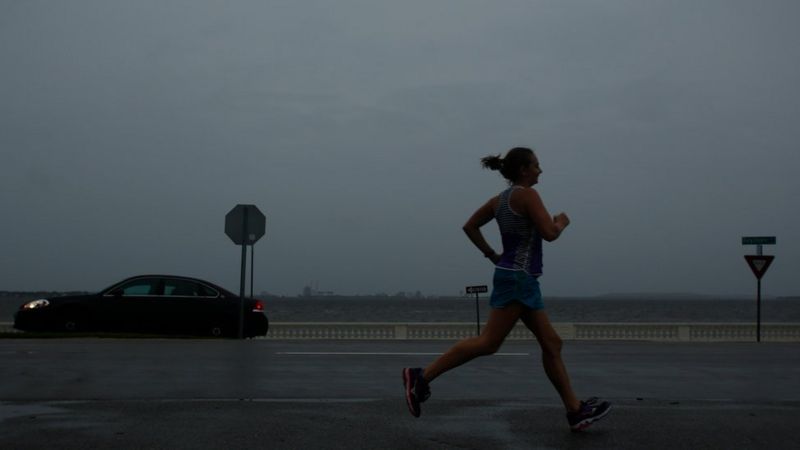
(144, 286)
(205, 291)
(185, 288)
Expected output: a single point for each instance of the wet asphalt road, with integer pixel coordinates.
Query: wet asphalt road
(162, 393)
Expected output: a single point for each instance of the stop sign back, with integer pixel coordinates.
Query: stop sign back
(245, 224)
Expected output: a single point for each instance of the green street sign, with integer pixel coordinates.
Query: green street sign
(758, 240)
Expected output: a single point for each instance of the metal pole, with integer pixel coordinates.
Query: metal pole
(244, 271)
(252, 260)
(477, 316)
(758, 315)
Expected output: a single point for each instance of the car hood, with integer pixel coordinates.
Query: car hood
(64, 299)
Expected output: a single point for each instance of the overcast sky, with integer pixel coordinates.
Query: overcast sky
(667, 130)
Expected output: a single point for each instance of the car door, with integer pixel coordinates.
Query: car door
(176, 309)
(128, 307)
(189, 306)
(215, 311)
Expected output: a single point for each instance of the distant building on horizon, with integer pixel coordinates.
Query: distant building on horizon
(312, 290)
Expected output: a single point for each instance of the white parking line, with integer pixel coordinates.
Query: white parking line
(381, 354)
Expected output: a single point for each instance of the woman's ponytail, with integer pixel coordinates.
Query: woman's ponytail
(494, 162)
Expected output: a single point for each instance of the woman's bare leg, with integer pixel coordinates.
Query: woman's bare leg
(500, 323)
(550, 342)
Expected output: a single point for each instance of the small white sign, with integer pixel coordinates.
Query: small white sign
(477, 289)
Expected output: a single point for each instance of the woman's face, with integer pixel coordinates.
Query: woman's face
(531, 172)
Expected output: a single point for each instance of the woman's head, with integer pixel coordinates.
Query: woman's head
(518, 165)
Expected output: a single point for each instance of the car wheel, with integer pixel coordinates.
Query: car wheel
(216, 331)
(71, 324)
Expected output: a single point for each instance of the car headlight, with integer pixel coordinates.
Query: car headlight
(36, 304)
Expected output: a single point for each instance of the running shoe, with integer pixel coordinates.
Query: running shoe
(417, 390)
(591, 411)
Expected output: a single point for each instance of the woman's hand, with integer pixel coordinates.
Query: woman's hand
(562, 219)
(481, 217)
(494, 258)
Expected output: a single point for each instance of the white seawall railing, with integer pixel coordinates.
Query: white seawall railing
(450, 331)
(661, 332)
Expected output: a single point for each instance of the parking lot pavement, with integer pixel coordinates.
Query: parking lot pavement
(90, 393)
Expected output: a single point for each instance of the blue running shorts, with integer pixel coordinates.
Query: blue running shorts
(515, 286)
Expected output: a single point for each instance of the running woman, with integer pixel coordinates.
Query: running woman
(524, 222)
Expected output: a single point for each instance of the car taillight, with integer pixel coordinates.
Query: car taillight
(258, 307)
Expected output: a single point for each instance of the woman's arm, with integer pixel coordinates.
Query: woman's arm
(481, 217)
(549, 227)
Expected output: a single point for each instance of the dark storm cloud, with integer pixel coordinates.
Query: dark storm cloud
(665, 129)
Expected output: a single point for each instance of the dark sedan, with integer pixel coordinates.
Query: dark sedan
(155, 304)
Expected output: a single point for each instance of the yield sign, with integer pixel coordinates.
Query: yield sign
(759, 264)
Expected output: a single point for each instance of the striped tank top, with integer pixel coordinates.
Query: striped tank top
(522, 244)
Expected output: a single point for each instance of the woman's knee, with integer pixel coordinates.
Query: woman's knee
(551, 346)
(489, 346)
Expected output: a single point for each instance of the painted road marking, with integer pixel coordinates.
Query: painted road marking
(211, 400)
(381, 354)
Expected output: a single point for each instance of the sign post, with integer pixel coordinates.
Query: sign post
(477, 290)
(244, 224)
(759, 263)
